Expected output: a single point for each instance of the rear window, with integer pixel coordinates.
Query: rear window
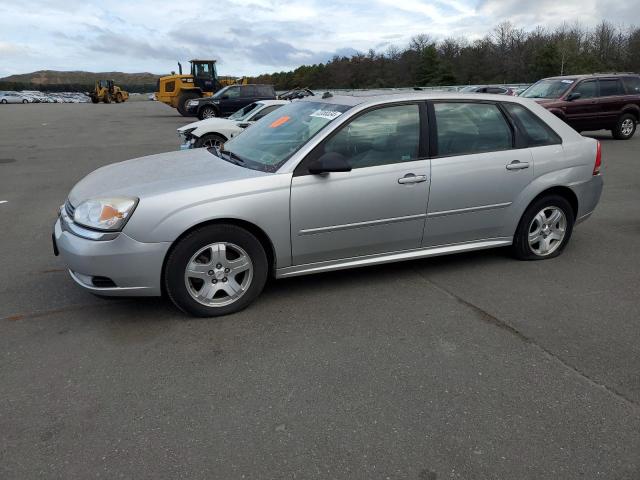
(610, 87)
(535, 130)
(632, 85)
(466, 128)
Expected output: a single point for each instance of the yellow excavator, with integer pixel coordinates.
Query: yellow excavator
(176, 90)
(106, 91)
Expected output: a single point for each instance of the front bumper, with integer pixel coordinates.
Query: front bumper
(135, 268)
(192, 109)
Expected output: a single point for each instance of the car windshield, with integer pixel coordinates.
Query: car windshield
(547, 89)
(277, 136)
(244, 112)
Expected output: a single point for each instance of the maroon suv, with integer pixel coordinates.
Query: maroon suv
(592, 102)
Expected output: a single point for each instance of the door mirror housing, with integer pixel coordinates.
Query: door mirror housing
(329, 162)
(574, 96)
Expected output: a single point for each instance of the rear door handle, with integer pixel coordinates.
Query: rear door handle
(517, 165)
(412, 178)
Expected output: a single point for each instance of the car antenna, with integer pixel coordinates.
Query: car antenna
(327, 95)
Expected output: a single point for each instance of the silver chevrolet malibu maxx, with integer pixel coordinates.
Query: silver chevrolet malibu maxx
(326, 184)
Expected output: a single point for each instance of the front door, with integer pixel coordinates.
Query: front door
(476, 173)
(379, 206)
(582, 112)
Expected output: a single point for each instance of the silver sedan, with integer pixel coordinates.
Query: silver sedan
(326, 184)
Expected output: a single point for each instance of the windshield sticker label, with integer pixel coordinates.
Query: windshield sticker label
(280, 121)
(326, 114)
(566, 81)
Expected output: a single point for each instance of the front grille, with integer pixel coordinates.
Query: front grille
(70, 209)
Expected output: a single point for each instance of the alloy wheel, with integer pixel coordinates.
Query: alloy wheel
(547, 231)
(218, 274)
(626, 128)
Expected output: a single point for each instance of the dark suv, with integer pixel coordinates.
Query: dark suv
(592, 102)
(229, 99)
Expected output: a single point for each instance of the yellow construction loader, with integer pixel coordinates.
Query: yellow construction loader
(203, 81)
(106, 91)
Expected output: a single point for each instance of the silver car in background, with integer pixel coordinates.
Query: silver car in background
(326, 184)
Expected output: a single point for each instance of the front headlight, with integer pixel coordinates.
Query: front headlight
(109, 214)
(192, 103)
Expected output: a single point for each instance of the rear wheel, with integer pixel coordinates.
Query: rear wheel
(119, 98)
(182, 102)
(544, 229)
(625, 127)
(215, 270)
(107, 98)
(210, 140)
(207, 112)
(3, 101)
(25, 101)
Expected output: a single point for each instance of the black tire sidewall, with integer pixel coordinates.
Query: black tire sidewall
(521, 247)
(182, 252)
(182, 102)
(617, 132)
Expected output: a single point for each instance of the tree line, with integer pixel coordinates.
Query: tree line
(505, 55)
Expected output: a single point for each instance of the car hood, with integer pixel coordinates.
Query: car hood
(159, 174)
(209, 124)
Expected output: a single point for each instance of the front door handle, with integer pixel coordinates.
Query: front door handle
(517, 165)
(411, 178)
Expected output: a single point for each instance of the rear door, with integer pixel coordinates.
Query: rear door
(583, 112)
(476, 172)
(611, 100)
(380, 205)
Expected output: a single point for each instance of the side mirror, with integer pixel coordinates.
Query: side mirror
(573, 96)
(329, 162)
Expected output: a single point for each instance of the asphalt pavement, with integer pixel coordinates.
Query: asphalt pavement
(474, 366)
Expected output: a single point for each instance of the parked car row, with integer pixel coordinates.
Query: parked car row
(34, 96)
(325, 183)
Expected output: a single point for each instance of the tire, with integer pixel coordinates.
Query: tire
(206, 292)
(25, 101)
(207, 112)
(182, 102)
(3, 101)
(210, 140)
(532, 224)
(107, 98)
(625, 127)
(119, 98)
(94, 100)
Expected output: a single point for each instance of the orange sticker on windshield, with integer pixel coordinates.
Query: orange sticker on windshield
(280, 121)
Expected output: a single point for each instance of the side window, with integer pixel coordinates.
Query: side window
(263, 91)
(465, 128)
(632, 85)
(587, 89)
(611, 87)
(379, 137)
(496, 90)
(536, 131)
(248, 91)
(265, 111)
(233, 92)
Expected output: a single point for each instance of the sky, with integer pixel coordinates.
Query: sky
(249, 37)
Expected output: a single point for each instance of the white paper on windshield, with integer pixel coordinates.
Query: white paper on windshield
(566, 81)
(327, 114)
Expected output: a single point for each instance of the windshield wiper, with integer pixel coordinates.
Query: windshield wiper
(233, 158)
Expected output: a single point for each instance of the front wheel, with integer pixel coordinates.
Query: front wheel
(25, 101)
(207, 112)
(544, 229)
(210, 140)
(3, 101)
(215, 270)
(625, 127)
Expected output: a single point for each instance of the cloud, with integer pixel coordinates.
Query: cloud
(258, 36)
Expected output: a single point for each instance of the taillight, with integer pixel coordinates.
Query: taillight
(598, 164)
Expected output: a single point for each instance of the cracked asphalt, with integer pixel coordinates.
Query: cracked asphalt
(473, 366)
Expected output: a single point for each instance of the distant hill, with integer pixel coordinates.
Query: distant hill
(46, 78)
